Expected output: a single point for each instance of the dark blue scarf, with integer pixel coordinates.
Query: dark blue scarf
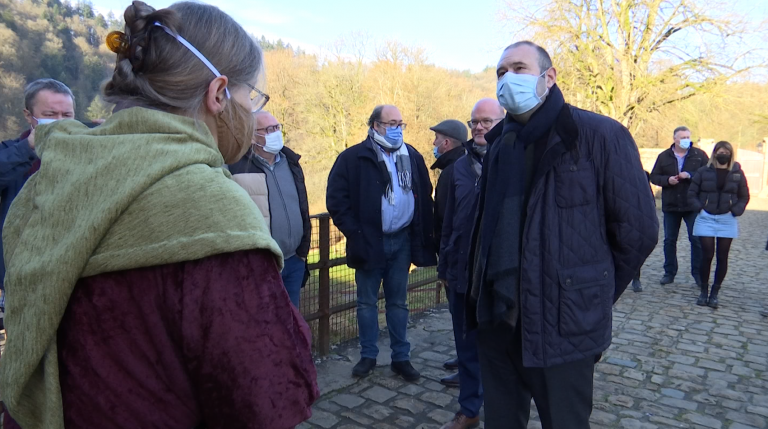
(509, 168)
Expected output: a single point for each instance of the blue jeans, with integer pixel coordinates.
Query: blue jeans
(470, 385)
(672, 222)
(293, 277)
(397, 251)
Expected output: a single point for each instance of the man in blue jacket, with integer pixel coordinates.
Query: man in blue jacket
(45, 101)
(565, 219)
(380, 197)
(462, 192)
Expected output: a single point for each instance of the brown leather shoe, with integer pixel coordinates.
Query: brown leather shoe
(451, 365)
(451, 380)
(460, 421)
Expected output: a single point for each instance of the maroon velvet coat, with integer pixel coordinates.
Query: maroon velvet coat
(212, 343)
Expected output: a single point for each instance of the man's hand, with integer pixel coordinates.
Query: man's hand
(673, 180)
(443, 282)
(31, 139)
(684, 175)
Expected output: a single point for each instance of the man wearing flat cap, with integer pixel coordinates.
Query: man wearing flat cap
(450, 136)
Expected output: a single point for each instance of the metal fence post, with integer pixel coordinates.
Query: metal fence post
(324, 292)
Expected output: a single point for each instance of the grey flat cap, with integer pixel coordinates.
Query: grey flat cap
(452, 128)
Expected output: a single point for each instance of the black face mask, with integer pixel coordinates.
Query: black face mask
(723, 158)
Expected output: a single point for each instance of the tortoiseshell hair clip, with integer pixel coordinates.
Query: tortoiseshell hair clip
(117, 42)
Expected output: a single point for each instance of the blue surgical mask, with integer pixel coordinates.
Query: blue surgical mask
(394, 135)
(517, 92)
(436, 152)
(685, 143)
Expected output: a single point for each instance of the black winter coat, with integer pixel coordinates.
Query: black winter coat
(445, 165)
(249, 165)
(353, 198)
(16, 160)
(704, 195)
(463, 191)
(675, 198)
(591, 222)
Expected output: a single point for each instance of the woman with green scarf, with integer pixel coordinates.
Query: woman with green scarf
(143, 287)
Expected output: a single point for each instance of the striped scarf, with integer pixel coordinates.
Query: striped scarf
(402, 164)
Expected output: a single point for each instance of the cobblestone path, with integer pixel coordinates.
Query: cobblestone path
(672, 364)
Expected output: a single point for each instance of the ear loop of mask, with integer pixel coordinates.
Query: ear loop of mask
(546, 90)
(194, 50)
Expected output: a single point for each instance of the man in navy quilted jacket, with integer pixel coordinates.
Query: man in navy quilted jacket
(565, 220)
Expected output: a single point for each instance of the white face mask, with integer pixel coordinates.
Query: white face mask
(273, 142)
(518, 93)
(44, 121)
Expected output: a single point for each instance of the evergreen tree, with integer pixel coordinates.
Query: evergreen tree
(52, 39)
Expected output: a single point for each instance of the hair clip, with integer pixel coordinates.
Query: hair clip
(117, 42)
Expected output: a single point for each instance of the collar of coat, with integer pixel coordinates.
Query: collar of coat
(565, 130)
(448, 158)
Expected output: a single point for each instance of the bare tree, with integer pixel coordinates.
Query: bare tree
(629, 58)
(355, 46)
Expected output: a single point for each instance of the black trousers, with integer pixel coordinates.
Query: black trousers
(563, 393)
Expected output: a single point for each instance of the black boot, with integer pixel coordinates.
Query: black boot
(364, 368)
(702, 301)
(405, 370)
(713, 296)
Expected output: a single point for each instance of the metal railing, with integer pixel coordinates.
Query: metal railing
(329, 300)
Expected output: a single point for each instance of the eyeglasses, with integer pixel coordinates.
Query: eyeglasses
(393, 124)
(487, 123)
(258, 98)
(271, 129)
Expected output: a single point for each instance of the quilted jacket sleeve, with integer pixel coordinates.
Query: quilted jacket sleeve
(740, 206)
(631, 223)
(693, 192)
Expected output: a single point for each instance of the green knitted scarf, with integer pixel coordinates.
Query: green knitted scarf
(146, 188)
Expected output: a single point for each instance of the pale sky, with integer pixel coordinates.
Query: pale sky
(458, 34)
